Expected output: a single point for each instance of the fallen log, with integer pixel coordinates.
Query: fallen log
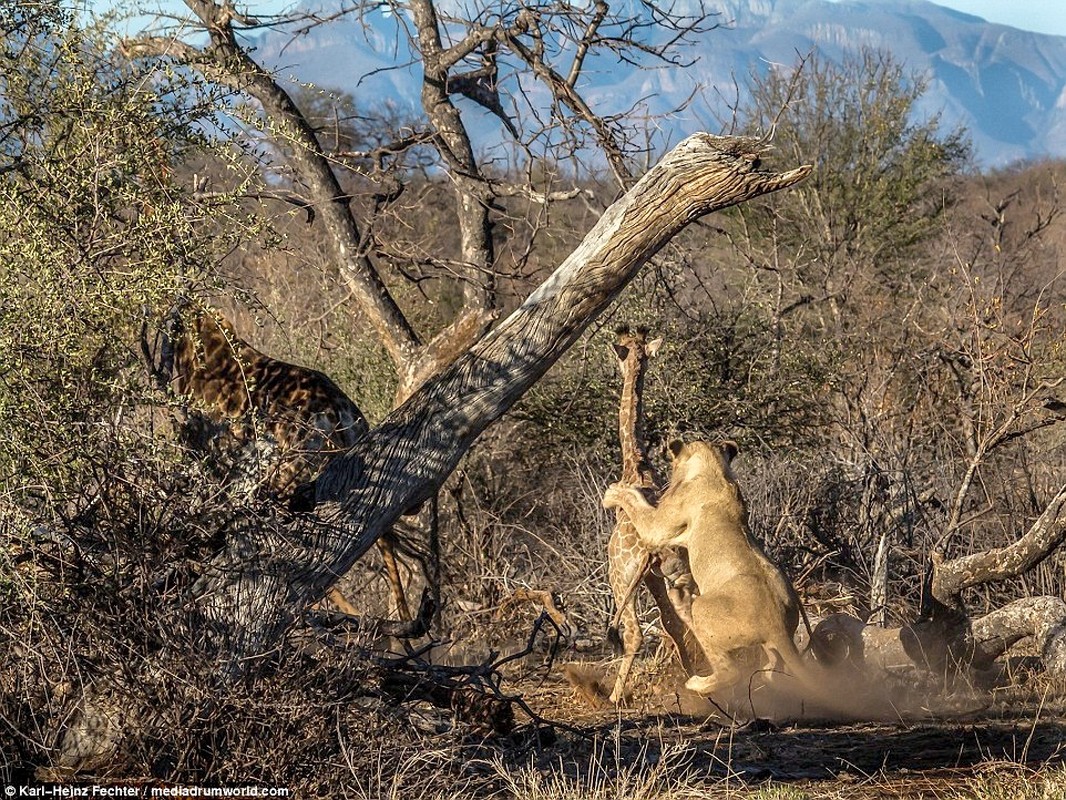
(944, 640)
(1043, 618)
(842, 639)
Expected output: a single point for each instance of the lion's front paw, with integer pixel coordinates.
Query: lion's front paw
(615, 495)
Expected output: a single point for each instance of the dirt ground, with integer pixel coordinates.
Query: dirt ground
(1019, 730)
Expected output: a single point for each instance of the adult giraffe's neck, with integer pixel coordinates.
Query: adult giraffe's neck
(215, 366)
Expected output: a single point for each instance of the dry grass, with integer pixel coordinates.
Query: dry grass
(667, 774)
(675, 775)
(990, 781)
(1015, 753)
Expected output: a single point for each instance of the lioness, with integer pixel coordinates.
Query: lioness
(747, 611)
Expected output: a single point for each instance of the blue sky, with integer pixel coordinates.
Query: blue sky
(1042, 16)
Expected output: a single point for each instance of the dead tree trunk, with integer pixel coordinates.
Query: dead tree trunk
(946, 638)
(1043, 618)
(256, 586)
(879, 583)
(1016, 620)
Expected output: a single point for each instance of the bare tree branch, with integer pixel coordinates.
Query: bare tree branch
(586, 42)
(566, 94)
(227, 62)
(952, 577)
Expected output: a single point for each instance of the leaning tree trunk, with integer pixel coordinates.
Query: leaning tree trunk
(254, 589)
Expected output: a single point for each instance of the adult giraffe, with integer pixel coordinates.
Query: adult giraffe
(271, 426)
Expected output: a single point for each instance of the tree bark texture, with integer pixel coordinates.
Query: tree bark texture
(951, 577)
(879, 582)
(269, 573)
(1041, 617)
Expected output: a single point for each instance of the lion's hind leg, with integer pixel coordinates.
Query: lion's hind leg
(730, 639)
(728, 669)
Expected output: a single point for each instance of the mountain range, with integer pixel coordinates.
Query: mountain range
(1006, 86)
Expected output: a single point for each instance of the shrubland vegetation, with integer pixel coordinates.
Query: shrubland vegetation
(886, 342)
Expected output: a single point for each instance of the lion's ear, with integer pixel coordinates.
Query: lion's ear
(652, 347)
(675, 446)
(729, 450)
(621, 351)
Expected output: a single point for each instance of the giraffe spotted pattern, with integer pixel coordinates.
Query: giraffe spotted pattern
(268, 425)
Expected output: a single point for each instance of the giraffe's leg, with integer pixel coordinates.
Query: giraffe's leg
(392, 571)
(632, 639)
(336, 596)
(625, 598)
(626, 565)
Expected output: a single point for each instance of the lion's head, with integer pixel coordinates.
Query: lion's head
(704, 460)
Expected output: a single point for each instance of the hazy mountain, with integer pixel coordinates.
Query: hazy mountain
(1007, 86)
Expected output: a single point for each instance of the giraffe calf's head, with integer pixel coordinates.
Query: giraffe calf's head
(633, 344)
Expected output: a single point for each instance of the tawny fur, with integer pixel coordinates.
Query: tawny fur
(746, 613)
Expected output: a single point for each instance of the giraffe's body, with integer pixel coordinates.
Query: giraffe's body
(269, 426)
(628, 560)
(294, 419)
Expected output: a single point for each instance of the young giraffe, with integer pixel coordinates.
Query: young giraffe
(271, 425)
(628, 562)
